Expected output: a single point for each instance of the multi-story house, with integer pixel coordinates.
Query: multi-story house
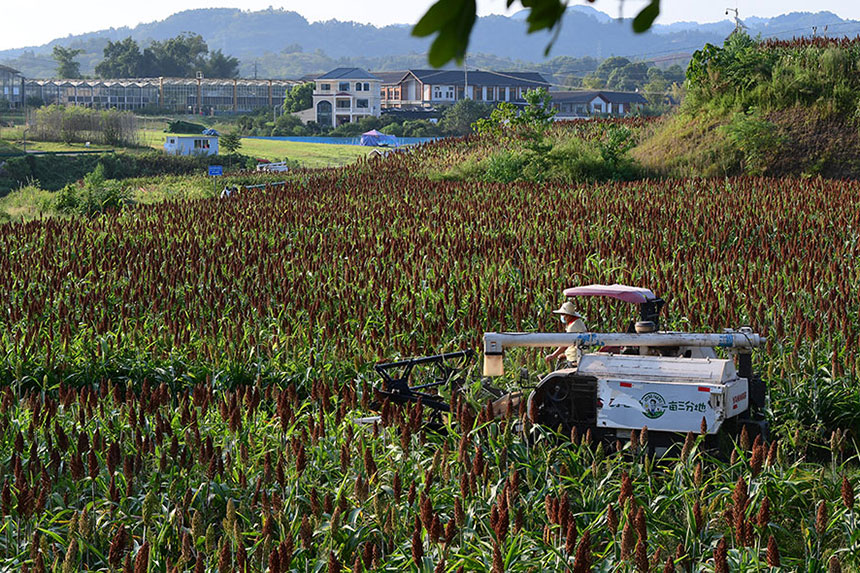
(429, 88)
(345, 95)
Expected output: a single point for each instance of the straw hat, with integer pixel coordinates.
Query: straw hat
(568, 309)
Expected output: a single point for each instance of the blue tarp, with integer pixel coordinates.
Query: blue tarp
(210, 131)
(375, 139)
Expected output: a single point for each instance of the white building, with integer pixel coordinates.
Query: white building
(191, 144)
(345, 95)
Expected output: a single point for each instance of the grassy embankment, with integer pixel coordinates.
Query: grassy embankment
(758, 108)
(774, 108)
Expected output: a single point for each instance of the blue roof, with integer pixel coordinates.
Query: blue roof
(348, 74)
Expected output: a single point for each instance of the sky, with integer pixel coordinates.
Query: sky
(36, 22)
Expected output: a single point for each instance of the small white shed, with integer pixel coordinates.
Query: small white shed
(191, 144)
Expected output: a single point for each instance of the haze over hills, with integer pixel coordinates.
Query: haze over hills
(284, 44)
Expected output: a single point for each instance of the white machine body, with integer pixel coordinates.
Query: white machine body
(663, 393)
(674, 382)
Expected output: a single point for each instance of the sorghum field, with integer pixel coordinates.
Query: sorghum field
(182, 381)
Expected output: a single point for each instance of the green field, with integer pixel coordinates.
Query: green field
(308, 154)
(7, 147)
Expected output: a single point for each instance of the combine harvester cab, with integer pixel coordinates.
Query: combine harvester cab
(670, 382)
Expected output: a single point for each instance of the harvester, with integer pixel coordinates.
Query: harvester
(670, 382)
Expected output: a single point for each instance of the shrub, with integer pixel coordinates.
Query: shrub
(179, 126)
(755, 138)
(460, 117)
(67, 201)
(286, 125)
(504, 167)
(420, 128)
(231, 142)
(395, 129)
(78, 124)
(96, 195)
(576, 160)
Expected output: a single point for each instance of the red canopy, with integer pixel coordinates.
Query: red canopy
(634, 295)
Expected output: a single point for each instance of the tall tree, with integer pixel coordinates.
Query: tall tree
(179, 57)
(220, 66)
(299, 98)
(67, 67)
(122, 60)
(230, 142)
(458, 119)
(628, 77)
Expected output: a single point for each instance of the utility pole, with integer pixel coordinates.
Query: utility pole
(738, 23)
(466, 79)
(255, 69)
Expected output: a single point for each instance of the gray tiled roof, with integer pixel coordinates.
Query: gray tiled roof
(348, 74)
(458, 77)
(584, 96)
(623, 97)
(391, 77)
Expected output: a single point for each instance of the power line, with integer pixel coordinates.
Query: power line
(679, 50)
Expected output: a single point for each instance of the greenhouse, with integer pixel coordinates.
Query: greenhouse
(11, 94)
(181, 95)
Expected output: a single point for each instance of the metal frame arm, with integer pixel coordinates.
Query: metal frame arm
(495, 343)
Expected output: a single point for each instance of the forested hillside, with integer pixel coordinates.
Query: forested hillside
(279, 43)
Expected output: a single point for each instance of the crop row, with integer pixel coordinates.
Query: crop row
(271, 479)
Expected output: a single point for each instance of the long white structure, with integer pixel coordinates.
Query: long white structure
(496, 342)
(183, 95)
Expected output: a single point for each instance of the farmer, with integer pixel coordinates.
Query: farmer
(571, 321)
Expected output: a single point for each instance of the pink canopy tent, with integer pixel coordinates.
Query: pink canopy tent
(633, 295)
(374, 138)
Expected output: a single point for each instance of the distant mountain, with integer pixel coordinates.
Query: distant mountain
(278, 43)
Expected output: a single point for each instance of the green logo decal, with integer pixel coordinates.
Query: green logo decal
(653, 405)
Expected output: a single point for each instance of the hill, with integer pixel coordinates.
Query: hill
(281, 42)
(764, 108)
